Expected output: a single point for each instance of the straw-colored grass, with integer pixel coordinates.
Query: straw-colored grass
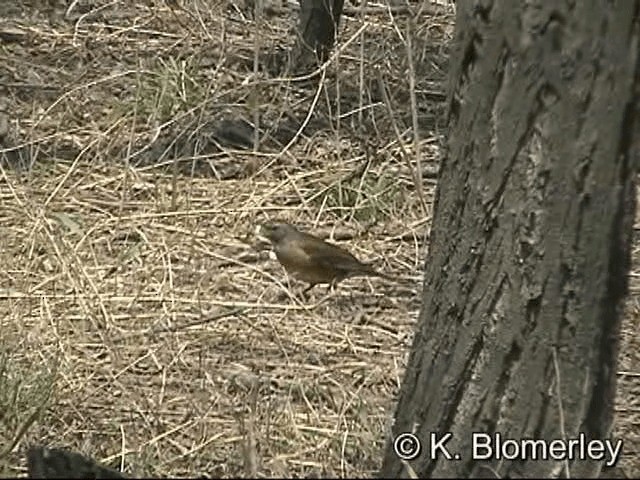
(140, 322)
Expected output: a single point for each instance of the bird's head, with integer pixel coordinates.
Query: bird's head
(275, 232)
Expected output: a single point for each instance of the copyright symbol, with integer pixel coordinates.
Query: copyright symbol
(407, 446)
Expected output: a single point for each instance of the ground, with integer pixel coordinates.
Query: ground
(142, 322)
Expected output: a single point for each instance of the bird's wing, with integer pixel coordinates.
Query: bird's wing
(331, 256)
(298, 254)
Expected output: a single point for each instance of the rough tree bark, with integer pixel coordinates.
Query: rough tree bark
(319, 20)
(530, 244)
(45, 462)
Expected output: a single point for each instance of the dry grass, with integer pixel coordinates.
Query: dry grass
(172, 342)
(136, 310)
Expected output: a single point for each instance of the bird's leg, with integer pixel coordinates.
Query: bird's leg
(330, 290)
(304, 293)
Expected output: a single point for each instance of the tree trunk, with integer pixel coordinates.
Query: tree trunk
(530, 244)
(317, 29)
(45, 462)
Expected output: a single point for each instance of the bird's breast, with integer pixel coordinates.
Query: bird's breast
(300, 266)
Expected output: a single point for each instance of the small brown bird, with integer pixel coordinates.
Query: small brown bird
(311, 259)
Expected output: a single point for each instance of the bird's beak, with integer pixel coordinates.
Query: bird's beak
(262, 232)
(262, 240)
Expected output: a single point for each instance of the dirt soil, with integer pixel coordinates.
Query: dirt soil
(142, 321)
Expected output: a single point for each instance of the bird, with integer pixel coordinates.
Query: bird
(43, 462)
(313, 260)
